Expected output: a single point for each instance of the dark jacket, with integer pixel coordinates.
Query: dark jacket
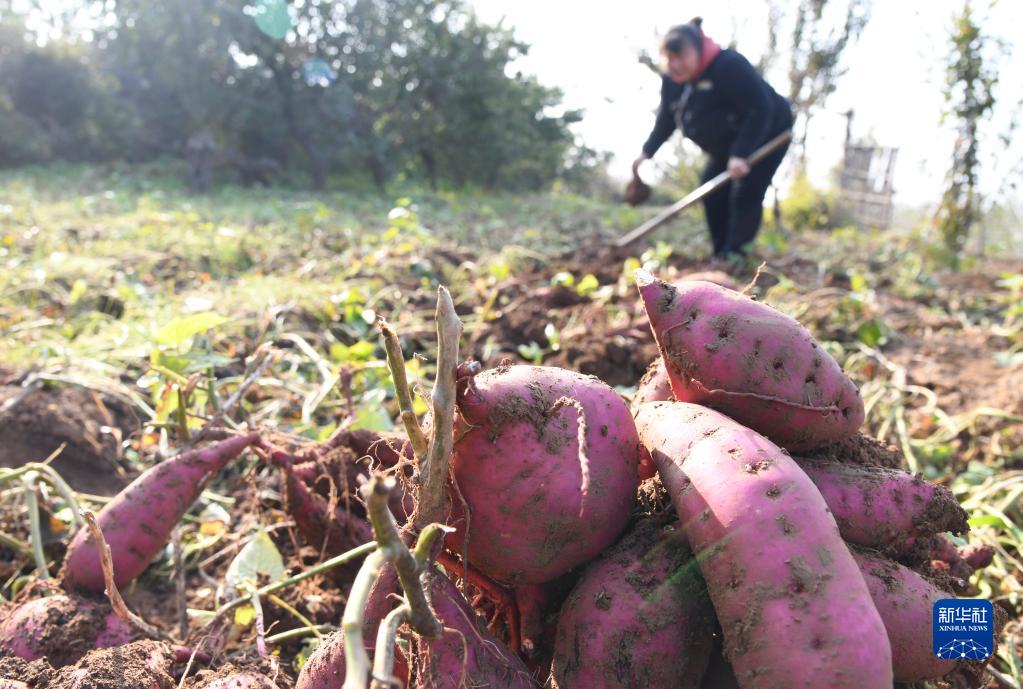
(729, 111)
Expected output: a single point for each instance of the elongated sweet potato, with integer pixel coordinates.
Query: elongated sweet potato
(905, 601)
(879, 508)
(755, 364)
(61, 628)
(138, 521)
(874, 506)
(639, 616)
(793, 606)
(547, 461)
(465, 655)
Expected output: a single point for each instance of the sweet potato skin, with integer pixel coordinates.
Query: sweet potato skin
(793, 606)
(138, 521)
(905, 601)
(465, 655)
(639, 616)
(876, 507)
(540, 501)
(750, 361)
(879, 508)
(61, 628)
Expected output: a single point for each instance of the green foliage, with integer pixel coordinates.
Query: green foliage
(352, 91)
(807, 208)
(969, 99)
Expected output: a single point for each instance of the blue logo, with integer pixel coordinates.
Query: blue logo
(964, 629)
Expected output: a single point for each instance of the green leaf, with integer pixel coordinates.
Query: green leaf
(587, 285)
(77, 291)
(371, 414)
(563, 278)
(871, 334)
(360, 351)
(987, 520)
(259, 556)
(180, 330)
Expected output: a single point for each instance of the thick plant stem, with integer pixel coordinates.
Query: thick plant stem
(394, 550)
(383, 661)
(34, 528)
(433, 472)
(396, 364)
(357, 663)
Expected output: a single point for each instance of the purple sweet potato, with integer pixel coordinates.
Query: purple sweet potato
(879, 508)
(654, 386)
(335, 531)
(61, 628)
(138, 521)
(874, 506)
(905, 601)
(639, 616)
(465, 655)
(547, 461)
(757, 365)
(326, 666)
(793, 606)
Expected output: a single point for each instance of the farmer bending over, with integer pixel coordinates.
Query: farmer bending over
(718, 100)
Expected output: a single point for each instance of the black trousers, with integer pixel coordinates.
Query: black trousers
(734, 211)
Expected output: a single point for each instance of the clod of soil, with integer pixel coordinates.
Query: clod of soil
(46, 418)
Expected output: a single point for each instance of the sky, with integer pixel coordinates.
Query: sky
(893, 83)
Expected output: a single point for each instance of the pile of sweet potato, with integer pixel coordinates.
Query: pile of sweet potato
(779, 562)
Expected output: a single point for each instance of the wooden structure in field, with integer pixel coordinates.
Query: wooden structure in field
(865, 184)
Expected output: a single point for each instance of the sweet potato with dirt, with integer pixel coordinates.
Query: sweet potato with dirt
(879, 508)
(639, 616)
(61, 628)
(546, 460)
(751, 362)
(654, 386)
(905, 601)
(465, 655)
(325, 668)
(138, 521)
(332, 530)
(793, 606)
(874, 506)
